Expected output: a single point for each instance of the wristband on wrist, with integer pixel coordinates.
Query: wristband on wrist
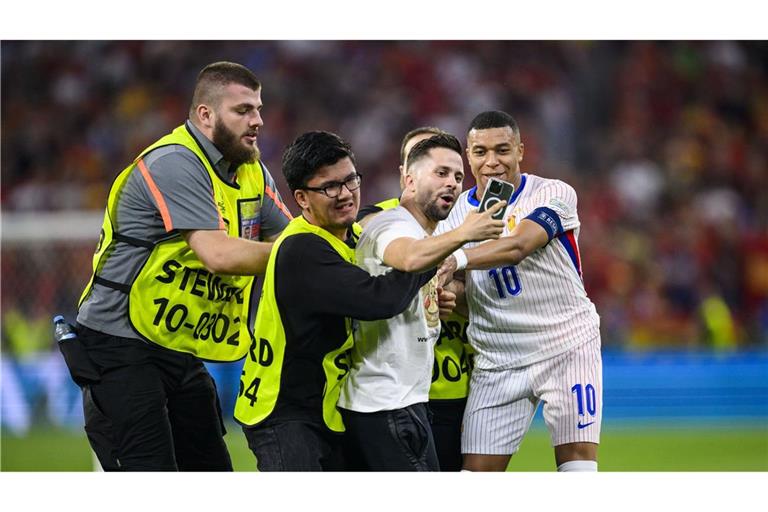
(461, 259)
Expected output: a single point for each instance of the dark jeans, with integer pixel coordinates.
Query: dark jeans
(396, 440)
(153, 409)
(295, 445)
(447, 416)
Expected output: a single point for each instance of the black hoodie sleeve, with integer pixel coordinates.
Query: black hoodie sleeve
(313, 277)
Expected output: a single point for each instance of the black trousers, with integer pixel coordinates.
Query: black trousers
(447, 416)
(153, 409)
(296, 445)
(396, 440)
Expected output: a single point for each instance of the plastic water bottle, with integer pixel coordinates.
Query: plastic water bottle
(62, 330)
(79, 364)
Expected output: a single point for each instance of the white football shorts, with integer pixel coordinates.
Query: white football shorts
(502, 403)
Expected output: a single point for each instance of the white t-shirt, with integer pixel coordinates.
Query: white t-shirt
(525, 313)
(391, 362)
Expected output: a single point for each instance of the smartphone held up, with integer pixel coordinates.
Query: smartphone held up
(496, 190)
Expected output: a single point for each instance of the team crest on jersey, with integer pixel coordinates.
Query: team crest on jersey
(249, 214)
(512, 219)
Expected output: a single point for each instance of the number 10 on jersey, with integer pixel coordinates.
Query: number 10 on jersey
(506, 280)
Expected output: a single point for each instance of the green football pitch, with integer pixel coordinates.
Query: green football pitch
(654, 448)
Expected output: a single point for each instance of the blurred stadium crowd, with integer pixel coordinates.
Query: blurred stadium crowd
(666, 144)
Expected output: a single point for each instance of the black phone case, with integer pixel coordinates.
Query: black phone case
(490, 198)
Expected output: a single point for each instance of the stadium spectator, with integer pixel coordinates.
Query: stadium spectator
(534, 330)
(182, 239)
(312, 290)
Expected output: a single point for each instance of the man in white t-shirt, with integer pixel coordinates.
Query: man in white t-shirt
(383, 401)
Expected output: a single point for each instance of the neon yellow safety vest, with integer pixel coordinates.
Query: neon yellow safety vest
(174, 301)
(454, 360)
(453, 354)
(260, 383)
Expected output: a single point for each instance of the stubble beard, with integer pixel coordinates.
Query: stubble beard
(432, 211)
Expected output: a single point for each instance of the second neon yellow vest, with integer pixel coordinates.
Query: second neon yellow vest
(260, 383)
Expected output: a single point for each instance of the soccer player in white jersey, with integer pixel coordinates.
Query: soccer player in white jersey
(383, 401)
(535, 331)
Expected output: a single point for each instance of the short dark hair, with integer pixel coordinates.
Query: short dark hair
(423, 147)
(494, 119)
(309, 152)
(421, 130)
(217, 75)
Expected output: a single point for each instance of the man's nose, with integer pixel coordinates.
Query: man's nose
(256, 119)
(344, 194)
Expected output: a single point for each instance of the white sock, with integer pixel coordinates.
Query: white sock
(578, 465)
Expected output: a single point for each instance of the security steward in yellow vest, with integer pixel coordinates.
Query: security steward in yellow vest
(172, 281)
(450, 372)
(312, 290)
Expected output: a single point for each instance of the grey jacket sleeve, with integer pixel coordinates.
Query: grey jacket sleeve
(181, 189)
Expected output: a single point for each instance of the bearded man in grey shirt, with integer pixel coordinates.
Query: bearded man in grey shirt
(187, 226)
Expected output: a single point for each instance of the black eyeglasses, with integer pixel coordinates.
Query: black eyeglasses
(333, 189)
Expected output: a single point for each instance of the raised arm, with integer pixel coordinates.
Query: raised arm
(412, 255)
(556, 215)
(509, 250)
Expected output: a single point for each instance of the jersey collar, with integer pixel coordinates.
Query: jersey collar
(474, 201)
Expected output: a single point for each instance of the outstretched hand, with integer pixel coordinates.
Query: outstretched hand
(482, 226)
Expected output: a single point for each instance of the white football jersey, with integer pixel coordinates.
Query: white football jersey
(525, 313)
(391, 361)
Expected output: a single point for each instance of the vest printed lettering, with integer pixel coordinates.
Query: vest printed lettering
(174, 301)
(261, 376)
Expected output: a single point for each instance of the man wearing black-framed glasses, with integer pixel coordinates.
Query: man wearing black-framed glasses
(333, 189)
(312, 290)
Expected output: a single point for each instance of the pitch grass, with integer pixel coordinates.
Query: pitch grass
(622, 449)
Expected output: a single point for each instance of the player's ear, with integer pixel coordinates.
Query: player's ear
(520, 151)
(301, 198)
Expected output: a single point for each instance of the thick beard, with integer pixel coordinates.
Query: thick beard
(230, 146)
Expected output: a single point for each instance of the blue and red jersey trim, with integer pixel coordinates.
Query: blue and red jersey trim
(568, 239)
